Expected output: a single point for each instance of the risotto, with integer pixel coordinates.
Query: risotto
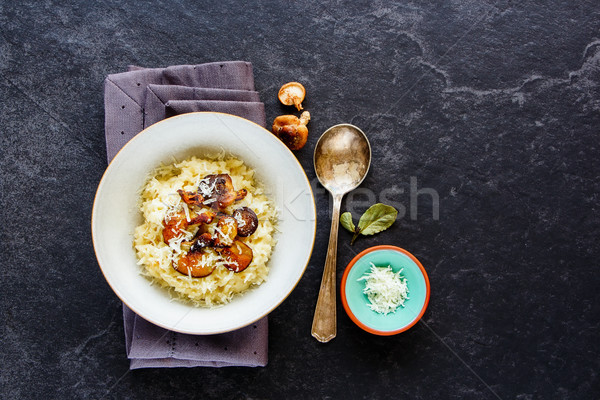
(201, 238)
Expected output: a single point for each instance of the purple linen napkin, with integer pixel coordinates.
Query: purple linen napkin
(158, 95)
(224, 87)
(252, 111)
(150, 346)
(125, 93)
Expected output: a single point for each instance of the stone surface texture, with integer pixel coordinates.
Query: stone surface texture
(495, 105)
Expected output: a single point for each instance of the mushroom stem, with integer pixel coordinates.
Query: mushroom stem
(304, 118)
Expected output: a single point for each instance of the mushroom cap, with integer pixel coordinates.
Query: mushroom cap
(290, 130)
(247, 221)
(292, 93)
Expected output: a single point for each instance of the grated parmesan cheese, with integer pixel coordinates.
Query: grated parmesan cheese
(187, 213)
(240, 221)
(385, 289)
(206, 189)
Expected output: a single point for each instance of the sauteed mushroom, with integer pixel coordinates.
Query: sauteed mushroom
(217, 190)
(201, 241)
(205, 217)
(247, 221)
(226, 231)
(173, 225)
(191, 264)
(237, 257)
(191, 198)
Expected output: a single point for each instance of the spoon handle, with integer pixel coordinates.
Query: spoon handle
(324, 321)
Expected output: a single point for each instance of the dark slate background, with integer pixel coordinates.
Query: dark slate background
(495, 105)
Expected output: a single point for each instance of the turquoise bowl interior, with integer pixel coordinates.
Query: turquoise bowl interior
(356, 302)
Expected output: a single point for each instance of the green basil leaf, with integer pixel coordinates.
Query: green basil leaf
(346, 221)
(377, 218)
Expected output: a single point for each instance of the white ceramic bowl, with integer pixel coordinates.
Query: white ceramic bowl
(115, 215)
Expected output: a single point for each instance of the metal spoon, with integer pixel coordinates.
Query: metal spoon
(342, 158)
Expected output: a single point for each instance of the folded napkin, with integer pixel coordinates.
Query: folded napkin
(125, 93)
(136, 99)
(157, 97)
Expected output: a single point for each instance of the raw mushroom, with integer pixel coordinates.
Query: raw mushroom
(292, 130)
(247, 221)
(292, 93)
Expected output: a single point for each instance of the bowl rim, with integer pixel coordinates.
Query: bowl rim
(345, 301)
(120, 295)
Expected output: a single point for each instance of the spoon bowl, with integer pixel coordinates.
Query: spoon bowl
(342, 159)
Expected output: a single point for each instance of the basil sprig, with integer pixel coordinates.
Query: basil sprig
(377, 218)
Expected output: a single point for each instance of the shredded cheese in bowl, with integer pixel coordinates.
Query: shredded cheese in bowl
(385, 289)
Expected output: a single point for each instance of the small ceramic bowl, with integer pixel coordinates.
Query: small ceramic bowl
(356, 302)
